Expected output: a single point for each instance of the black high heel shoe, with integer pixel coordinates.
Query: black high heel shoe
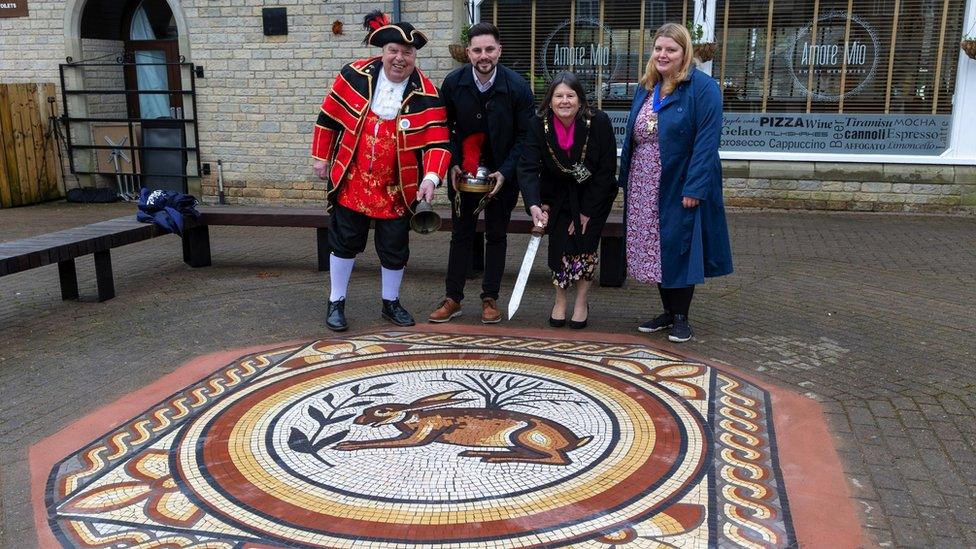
(557, 322)
(579, 324)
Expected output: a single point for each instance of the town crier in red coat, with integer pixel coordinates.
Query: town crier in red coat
(381, 140)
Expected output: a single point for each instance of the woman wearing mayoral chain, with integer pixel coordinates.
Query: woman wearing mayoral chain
(567, 180)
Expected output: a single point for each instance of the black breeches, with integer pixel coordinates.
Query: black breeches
(348, 230)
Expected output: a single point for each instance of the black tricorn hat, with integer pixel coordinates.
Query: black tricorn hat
(381, 32)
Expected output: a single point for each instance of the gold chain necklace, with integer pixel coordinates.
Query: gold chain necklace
(578, 170)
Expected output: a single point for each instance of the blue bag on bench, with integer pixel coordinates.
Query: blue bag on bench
(166, 209)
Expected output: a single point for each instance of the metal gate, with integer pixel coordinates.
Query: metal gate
(155, 152)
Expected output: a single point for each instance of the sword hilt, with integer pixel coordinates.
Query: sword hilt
(539, 230)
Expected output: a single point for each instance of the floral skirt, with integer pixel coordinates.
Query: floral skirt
(575, 267)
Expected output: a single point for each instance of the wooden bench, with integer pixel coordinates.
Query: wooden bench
(196, 236)
(63, 247)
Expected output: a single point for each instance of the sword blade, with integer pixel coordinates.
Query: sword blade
(523, 276)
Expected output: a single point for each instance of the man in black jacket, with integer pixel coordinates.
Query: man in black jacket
(485, 98)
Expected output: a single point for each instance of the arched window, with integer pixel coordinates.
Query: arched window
(150, 36)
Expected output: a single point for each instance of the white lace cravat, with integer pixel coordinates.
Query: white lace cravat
(388, 97)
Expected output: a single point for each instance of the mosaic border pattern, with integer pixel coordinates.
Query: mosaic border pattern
(120, 490)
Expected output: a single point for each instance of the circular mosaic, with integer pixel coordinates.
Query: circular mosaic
(401, 439)
(422, 445)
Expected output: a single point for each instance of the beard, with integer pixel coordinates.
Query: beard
(490, 69)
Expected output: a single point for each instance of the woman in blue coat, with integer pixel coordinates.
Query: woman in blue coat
(672, 178)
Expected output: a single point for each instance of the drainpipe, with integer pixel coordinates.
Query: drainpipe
(474, 11)
(396, 11)
(220, 183)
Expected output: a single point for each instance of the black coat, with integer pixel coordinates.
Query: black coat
(543, 182)
(509, 113)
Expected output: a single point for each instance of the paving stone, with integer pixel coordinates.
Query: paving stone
(946, 543)
(825, 304)
(880, 408)
(946, 430)
(899, 447)
(960, 452)
(923, 494)
(926, 440)
(911, 468)
(861, 416)
(875, 454)
(897, 503)
(964, 511)
(911, 532)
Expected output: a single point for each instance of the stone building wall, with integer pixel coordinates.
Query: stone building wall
(32, 47)
(104, 77)
(260, 95)
(850, 187)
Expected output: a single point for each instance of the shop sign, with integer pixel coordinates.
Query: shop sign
(586, 55)
(618, 119)
(828, 54)
(13, 8)
(836, 133)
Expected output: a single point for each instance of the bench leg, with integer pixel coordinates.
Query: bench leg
(477, 265)
(324, 250)
(613, 269)
(103, 275)
(69, 279)
(196, 246)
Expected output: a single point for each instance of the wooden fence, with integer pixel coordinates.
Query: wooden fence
(29, 168)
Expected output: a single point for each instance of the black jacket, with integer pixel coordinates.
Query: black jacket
(543, 182)
(509, 113)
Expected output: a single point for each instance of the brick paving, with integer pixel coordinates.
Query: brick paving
(869, 314)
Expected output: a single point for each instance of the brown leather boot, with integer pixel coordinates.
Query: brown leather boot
(448, 310)
(489, 311)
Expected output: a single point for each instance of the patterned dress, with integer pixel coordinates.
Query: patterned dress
(643, 186)
(575, 267)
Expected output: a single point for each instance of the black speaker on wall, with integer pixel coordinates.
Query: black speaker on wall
(275, 21)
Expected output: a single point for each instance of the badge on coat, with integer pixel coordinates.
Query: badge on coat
(404, 124)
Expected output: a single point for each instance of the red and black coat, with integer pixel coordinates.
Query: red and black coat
(422, 135)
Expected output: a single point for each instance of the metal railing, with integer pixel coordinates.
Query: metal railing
(181, 118)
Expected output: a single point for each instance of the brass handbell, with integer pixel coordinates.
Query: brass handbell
(424, 219)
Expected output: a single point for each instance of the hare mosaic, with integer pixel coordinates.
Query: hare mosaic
(403, 438)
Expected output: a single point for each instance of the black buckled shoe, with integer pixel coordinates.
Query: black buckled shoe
(336, 317)
(660, 322)
(395, 313)
(681, 331)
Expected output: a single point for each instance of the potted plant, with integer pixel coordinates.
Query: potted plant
(704, 51)
(537, 82)
(968, 45)
(457, 50)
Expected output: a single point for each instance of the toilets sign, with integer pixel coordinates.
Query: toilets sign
(843, 45)
(13, 8)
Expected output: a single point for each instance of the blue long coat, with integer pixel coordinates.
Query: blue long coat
(694, 241)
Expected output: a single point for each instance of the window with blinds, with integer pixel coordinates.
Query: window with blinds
(605, 42)
(838, 56)
(814, 76)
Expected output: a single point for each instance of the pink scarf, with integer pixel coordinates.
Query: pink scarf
(564, 135)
